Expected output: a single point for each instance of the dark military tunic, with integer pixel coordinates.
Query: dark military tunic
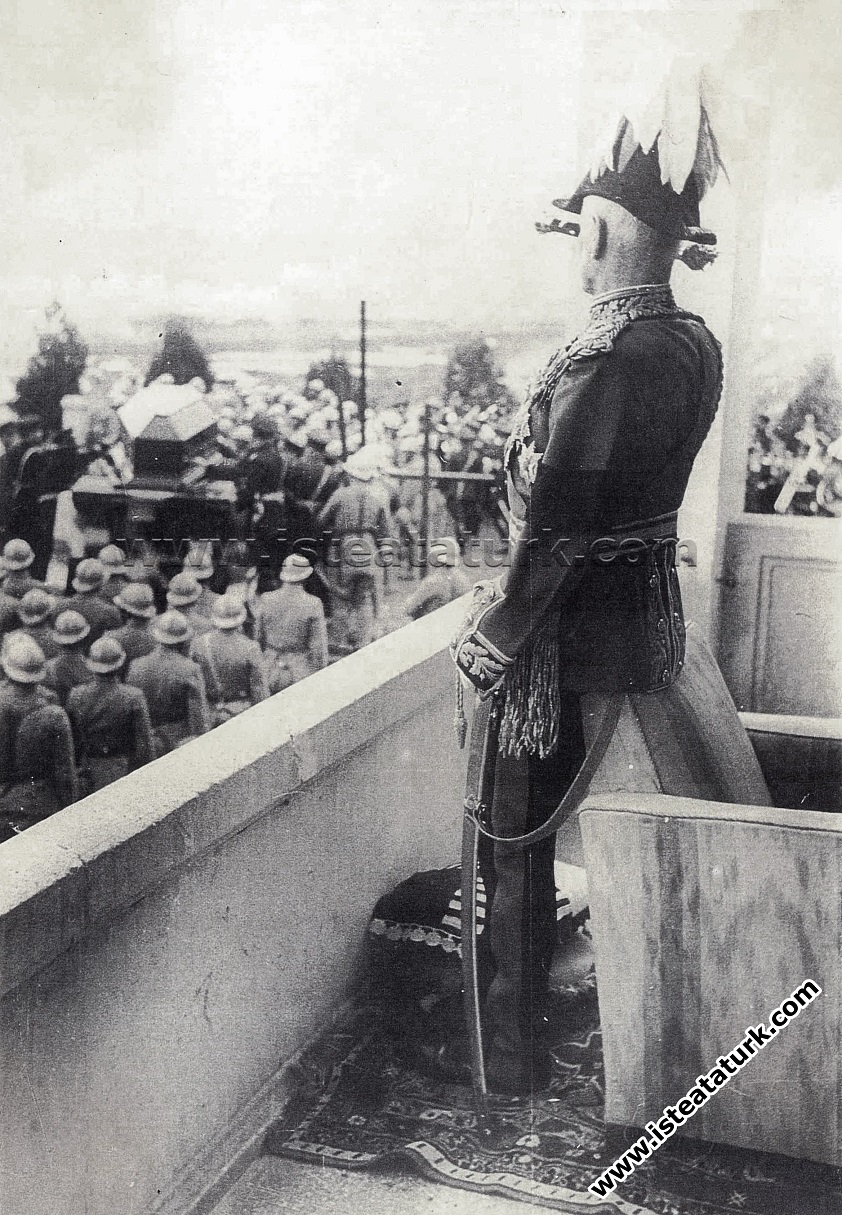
(111, 730)
(598, 462)
(135, 639)
(66, 671)
(37, 766)
(174, 688)
(233, 668)
(101, 616)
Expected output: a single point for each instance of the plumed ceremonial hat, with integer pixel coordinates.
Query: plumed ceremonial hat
(22, 659)
(657, 165)
(105, 656)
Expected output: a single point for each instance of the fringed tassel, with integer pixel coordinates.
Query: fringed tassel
(460, 721)
(532, 704)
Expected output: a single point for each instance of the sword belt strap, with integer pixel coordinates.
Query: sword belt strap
(576, 791)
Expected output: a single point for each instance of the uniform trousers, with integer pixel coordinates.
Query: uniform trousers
(520, 890)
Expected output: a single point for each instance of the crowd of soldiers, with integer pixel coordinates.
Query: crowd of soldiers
(103, 679)
(131, 658)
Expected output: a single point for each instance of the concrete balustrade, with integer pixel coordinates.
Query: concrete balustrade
(169, 942)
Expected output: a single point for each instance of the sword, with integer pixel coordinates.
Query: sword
(479, 790)
(476, 822)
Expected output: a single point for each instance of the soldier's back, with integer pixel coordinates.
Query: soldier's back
(167, 680)
(136, 640)
(101, 616)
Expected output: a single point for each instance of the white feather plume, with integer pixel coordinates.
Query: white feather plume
(677, 119)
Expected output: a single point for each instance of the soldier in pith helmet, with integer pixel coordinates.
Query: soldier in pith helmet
(173, 684)
(231, 663)
(71, 633)
(136, 603)
(37, 765)
(35, 612)
(88, 582)
(16, 563)
(184, 594)
(110, 720)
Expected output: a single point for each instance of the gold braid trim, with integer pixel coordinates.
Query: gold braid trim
(532, 703)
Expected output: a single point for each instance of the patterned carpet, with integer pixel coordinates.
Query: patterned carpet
(364, 1098)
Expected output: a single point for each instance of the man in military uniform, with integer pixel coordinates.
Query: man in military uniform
(173, 685)
(113, 560)
(602, 450)
(136, 603)
(199, 563)
(232, 665)
(17, 562)
(37, 765)
(110, 720)
(71, 633)
(88, 583)
(183, 595)
(289, 626)
(35, 612)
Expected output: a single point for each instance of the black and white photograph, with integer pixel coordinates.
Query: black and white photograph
(421, 607)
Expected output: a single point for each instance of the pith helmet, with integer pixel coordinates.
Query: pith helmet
(137, 599)
(229, 612)
(199, 562)
(106, 655)
(183, 590)
(35, 607)
(90, 575)
(70, 627)
(23, 659)
(17, 555)
(296, 568)
(113, 558)
(172, 629)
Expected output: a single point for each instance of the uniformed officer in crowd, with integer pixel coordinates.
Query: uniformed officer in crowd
(173, 684)
(37, 764)
(71, 633)
(136, 603)
(183, 595)
(232, 664)
(359, 520)
(112, 731)
(113, 560)
(199, 563)
(17, 562)
(35, 613)
(88, 582)
(290, 627)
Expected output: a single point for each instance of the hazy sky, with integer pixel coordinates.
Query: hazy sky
(286, 157)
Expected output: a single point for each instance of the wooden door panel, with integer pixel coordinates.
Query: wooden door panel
(780, 644)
